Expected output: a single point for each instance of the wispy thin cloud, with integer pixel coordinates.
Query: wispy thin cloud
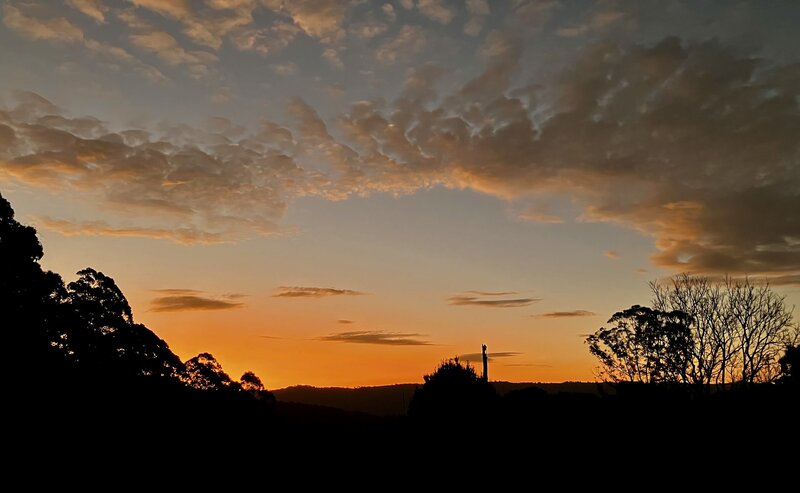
(492, 293)
(191, 302)
(345, 321)
(271, 337)
(492, 356)
(183, 236)
(313, 292)
(565, 314)
(490, 299)
(378, 337)
(612, 254)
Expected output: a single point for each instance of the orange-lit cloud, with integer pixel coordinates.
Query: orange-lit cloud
(344, 321)
(180, 300)
(407, 43)
(35, 23)
(612, 254)
(377, 337)
(313, 292)
(706, 162)
(91, 8)
(184, 236)
(489, 299)
(566, 314)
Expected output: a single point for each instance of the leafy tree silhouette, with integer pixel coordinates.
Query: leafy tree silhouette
(644, 346)
(104, 336)
(251, 384)
(203, 372)
(30, 299)
(454, 390)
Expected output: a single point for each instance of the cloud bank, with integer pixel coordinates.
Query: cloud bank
(690, 143)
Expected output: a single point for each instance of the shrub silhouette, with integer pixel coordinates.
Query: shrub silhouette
(790, 365)
(453, 391)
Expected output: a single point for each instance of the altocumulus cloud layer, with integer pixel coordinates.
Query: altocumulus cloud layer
(691, 143)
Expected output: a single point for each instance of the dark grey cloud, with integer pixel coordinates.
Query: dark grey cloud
(489, 299)
(179, 300)
(313, 292)
(566, 314)
(378, 337)
(492, 356)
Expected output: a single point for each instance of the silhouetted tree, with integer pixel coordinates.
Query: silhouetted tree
(104, 337)
(203, 372)
(790, 365)
(30, 299)
(738, 328)
(251, 384)
(453, 390)
(644, 345)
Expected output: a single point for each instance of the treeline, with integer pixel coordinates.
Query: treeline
(80, 339)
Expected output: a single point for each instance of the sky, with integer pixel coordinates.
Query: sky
(345, 193)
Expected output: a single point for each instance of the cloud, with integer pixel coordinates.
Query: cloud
(180, 300)
(540, 214)
(407, 43)
(489, 300)
(267, 40)
(612, 254)
(36, 23)
(344, 321)
(183, 236)
(567, 314)
(367, 29)
(92, 8)
(690, 143)
(436, 10)
(311, 292)
(388, 11)
(167, 48)
(377, 337)
(176, 292)
(478, 10)
(491, 293)
(173, 8)
(331, 56)
(284, 69)
(176, 182)
(651, 120)
(492, 356)
(321, 19)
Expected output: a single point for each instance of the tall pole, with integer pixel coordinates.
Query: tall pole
(485, 364)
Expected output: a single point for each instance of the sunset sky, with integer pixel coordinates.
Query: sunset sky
(335, 192)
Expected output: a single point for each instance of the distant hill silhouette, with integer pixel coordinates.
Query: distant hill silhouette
(393, 400)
